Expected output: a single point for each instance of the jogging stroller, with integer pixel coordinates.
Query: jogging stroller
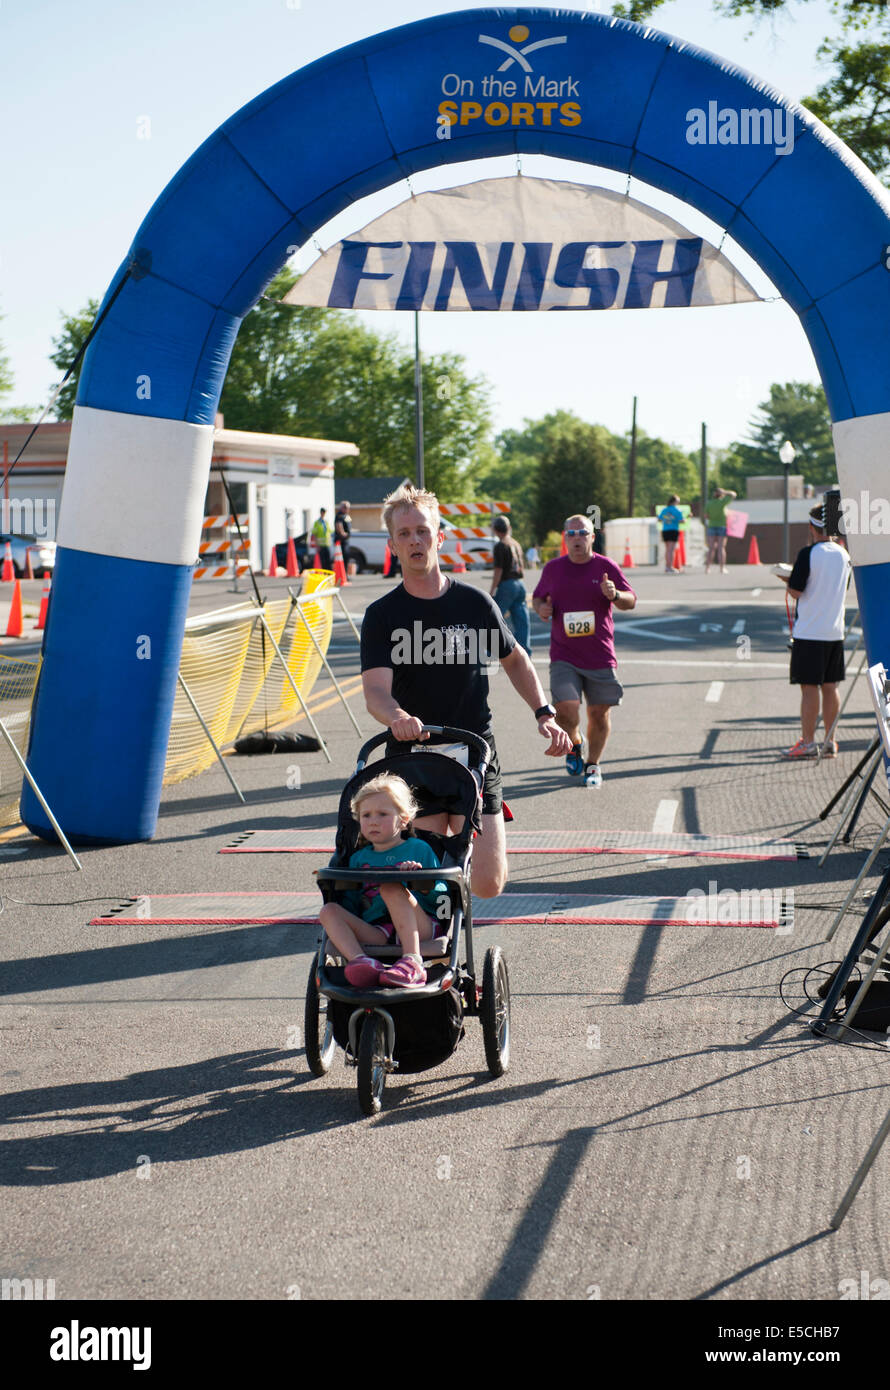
(383, 1029)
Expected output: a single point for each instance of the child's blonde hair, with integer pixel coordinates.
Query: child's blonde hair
(398, 791)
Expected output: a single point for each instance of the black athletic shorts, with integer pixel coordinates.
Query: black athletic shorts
(492, 789)
(816, 663)
(670, 535)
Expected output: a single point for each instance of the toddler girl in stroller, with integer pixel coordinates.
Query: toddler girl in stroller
(382, 1029)
(376, 914)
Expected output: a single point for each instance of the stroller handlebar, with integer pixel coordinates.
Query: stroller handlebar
(440, 730)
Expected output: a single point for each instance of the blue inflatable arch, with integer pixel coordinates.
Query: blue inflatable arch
(576, 86)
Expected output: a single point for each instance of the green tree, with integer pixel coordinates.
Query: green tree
(6, 377)
(580, 466)
(855, 102)
(662, 469)
(75, 330)
(509, 478)
(7, 381)
(797, 411)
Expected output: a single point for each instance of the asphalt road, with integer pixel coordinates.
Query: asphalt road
(668, 1130)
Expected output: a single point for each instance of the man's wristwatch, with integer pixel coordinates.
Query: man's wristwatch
(547, 710)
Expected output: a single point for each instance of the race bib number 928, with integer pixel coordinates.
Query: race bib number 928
(578, 624)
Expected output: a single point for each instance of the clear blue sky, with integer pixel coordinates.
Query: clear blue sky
(80, 80)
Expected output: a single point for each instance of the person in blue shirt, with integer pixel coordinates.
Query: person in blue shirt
(377, 914)
(671, 519)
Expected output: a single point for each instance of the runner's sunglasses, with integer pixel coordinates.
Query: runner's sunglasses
(583, 531)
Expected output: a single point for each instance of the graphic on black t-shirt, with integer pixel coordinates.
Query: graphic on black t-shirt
(438, 651)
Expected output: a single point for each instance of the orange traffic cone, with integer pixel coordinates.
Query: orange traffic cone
(676, 562)
(273, 564)
(292, 569)
(460, 564)
(681, 547)
(563, 549)
(316, 563)
(7, 574)
(340, 580)
(753, 552)
(628, 562)
(29, 572)
(387, 560)
(44, 604)
(14, 626)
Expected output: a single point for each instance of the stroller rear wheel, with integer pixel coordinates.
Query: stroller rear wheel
(495, 1011)
(371, 1064)
(318, 1030)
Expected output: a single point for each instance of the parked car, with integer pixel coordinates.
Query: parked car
(43, 554)
(301, 546)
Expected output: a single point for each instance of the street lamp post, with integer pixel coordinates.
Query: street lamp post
(787, 454)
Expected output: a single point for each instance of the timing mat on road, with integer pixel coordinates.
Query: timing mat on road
(768, 909)
(554, 842)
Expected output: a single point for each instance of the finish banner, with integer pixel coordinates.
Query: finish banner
(521, 244)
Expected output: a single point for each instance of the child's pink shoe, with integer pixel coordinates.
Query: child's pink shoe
(363, 972)
(405, 974)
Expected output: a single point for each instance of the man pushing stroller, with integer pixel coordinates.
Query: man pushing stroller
(425, 647)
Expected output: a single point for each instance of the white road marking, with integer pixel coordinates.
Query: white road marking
(644, 627)
(664, 817)
(710, 627)
(739, 626)
(755, 593)
(715, 690)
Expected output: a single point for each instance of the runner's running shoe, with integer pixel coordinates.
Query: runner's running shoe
(829, 748)
(592, 776)
(575, 760)
(802, 750)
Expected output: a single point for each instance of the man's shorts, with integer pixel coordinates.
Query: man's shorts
(715, 531)
(816, 663)
(492, 788)
(569, 682)
(670, 535)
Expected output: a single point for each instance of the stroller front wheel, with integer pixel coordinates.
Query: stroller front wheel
(318, 1030)
(371, 1064)
(494, 1011)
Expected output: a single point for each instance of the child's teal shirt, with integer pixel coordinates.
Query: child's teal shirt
(366, 901)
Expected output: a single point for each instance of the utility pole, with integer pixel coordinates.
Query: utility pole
(632, 464)
(418, 403)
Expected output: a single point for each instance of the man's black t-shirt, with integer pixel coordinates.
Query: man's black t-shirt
(437, 650)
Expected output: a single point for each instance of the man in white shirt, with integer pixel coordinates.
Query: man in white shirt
(819, 583)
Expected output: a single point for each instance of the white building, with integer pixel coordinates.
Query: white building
(279, 481)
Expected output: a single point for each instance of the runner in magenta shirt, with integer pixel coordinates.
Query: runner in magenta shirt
(576, 594)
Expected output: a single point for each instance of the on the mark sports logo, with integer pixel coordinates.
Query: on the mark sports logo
(531, 98)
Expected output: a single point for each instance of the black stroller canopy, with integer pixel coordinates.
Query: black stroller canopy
(434, 778)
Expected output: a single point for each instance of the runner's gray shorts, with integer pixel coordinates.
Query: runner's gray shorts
(568, 682)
